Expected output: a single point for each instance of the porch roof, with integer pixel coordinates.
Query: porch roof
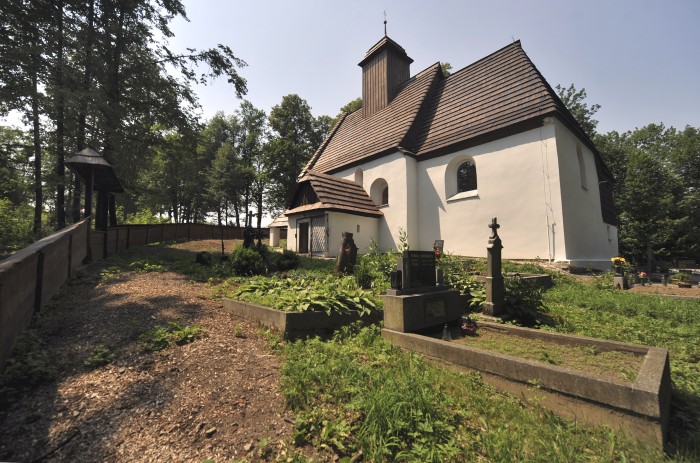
(322, 192)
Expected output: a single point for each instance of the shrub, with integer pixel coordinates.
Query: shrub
(330, 294)
(523, 300)
(246, 262)
(455, 276)
(282, 261)
(372, 269)
(605, 281)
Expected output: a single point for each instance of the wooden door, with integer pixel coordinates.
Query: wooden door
(303, 247)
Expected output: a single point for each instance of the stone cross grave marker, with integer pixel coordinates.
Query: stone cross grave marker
(495, 290)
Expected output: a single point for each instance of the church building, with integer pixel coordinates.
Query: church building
(437, 157)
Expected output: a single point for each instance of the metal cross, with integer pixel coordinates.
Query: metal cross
(384, 23)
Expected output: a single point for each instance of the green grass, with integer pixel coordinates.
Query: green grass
(356, 392)
(162, 337)
(617, 365)
(673, 323)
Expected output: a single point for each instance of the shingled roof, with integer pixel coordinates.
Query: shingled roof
(318, 191)
(499, 95)
(357, 138)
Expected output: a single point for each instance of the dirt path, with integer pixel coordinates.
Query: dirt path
(212, 399)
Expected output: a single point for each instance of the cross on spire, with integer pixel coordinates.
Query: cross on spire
(384, 23)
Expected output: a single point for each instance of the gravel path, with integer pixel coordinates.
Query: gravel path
(212, 399)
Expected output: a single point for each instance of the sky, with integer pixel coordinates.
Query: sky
(639, 60)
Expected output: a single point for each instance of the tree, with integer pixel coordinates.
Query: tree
(446, 68)
(349, 108)
(15, 189)
(252, 168)
(574, 101)
(216, 142)
(296, 135)
(646, 227)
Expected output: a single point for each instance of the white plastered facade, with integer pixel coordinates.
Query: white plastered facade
(364, 229)
(530, 181)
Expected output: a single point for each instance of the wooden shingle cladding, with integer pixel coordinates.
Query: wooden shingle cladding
(499, 91)
(431, 115)
(357, 138)
(385, 67)
(331, 194)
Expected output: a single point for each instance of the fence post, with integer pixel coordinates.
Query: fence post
(70, 254)
(39, 279)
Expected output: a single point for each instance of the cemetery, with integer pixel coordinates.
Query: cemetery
(422, 297)
(410, 313)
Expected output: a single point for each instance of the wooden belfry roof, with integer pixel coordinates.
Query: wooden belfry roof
(321, 192)
(499, 95)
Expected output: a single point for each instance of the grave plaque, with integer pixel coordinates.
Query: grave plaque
(418, 269)
(434, 310)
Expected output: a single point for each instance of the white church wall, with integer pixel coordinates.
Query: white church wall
(363, 229)
(292, 244)
(589, 241)
(510, 186)
(395, 169)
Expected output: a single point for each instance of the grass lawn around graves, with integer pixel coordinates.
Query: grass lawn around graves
(356, 393)
(336, 386)
(614, 365)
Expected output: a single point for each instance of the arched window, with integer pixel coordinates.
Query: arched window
(379, 192)
(466, 176)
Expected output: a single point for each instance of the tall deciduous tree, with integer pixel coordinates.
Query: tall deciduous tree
(582, 112)
(296, 135)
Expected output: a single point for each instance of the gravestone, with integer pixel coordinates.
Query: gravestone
(495, 289)
(417, 270)
(347, 256)
(416, 300)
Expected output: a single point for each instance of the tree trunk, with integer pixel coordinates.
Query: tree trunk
(112, 115)
(82, 106)
(36, 129)
(59, 117)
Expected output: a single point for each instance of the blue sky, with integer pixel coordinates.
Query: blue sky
(640, 60)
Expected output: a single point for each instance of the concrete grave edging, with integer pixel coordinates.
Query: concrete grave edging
(648, 397)
(297, 324)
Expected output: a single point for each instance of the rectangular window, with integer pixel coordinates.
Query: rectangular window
(581, 167)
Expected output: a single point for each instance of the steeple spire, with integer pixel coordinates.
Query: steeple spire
(384, 23)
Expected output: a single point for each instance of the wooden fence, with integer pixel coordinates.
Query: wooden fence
(31, 277)
(115, 239)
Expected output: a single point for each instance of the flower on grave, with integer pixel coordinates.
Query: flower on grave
(617, 263)
(642, 275)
